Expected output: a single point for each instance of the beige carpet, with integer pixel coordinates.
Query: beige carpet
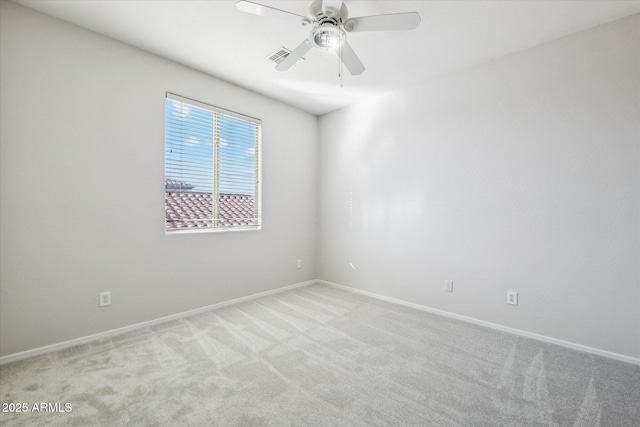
(320, 356)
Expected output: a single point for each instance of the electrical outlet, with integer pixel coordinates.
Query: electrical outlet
(512, 298)
(105, 299)
(448, 286)
(299, 263)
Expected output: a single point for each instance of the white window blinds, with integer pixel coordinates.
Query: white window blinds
(212, 167)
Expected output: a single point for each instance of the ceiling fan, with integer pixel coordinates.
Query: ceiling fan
(329, 20)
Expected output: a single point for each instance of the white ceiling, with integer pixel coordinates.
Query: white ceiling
(216, 38)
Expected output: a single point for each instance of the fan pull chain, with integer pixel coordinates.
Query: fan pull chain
(340, 64)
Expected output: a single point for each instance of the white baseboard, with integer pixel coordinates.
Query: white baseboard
(567, 344)
(107, 334)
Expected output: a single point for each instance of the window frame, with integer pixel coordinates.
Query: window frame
(215, 195)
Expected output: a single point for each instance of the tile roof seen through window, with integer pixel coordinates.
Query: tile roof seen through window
(186, 209)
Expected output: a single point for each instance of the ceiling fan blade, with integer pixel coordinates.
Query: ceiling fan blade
(258, 9)
(391, 22)
(351, 60)
(293, 57)
(331, 7)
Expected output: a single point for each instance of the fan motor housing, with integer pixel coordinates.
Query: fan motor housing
(316, 12)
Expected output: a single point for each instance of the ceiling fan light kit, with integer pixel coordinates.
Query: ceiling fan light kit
(327, 37)
(329, 21)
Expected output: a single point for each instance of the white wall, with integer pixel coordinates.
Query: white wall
(520, 174)
(82, 189)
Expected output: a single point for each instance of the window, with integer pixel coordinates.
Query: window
(212, 168)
